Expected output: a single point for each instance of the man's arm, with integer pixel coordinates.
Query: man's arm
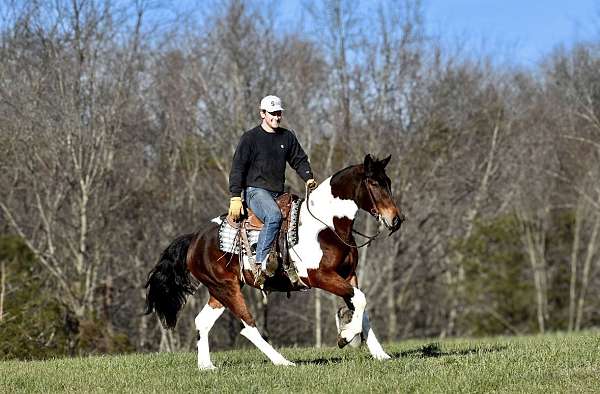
(298, 159)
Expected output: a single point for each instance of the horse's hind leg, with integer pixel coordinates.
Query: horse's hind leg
(254, 336)
(204, 322)
(373, 344)
(234, 300)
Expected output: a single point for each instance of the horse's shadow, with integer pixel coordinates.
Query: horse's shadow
(320, 361)
(435, 350)
(430, 350)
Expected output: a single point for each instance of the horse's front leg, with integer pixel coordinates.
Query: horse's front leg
(355, 299)
(369, 337)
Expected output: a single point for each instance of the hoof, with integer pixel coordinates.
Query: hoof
(341, 341)
(285, 363)
(209, 367)
(354, 342)
(381, 356)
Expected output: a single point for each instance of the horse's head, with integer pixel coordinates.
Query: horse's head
(375, 194)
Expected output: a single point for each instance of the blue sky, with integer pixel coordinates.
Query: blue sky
(513, 31)
(522, 30)
(516, 31)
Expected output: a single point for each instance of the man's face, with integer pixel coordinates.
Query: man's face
(272, 119)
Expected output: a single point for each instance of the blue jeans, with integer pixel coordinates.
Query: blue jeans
(262, 202)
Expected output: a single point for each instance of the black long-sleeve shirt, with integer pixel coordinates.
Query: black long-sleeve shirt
(260, 158)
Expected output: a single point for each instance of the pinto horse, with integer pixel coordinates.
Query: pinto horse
(326, 257)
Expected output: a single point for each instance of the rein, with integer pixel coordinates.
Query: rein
(374, 212)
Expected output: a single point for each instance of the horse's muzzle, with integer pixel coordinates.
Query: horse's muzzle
(396, 223)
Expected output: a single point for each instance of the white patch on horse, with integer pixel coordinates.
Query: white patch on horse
(307, 253)
(217, 220)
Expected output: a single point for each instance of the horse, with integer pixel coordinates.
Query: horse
(325, 256)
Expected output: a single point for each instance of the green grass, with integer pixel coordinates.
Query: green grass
(550, 363)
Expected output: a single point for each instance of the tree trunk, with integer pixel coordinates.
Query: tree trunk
(585, 277)
(538, 266)
(318, 326)
(391, 303)
(2, 287)
(574, 252)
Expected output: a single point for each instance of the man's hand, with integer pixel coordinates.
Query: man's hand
(235, 208)
(311, 185)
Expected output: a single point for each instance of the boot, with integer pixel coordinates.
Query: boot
(272, 263)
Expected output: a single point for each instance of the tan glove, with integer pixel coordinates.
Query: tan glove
(311, 185)
(235, 208)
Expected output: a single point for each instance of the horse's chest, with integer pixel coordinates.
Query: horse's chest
(324, 210)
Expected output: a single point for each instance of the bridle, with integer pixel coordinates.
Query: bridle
(374, 212)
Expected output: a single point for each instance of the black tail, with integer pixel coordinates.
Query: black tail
(169, 282)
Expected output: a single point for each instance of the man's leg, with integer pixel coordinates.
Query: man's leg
(263, 204)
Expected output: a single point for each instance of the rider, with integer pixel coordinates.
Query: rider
(258, 174)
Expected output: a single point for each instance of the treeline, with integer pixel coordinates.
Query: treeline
(117, 129)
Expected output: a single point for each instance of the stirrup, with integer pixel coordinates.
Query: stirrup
(295, 278)
(259, 275)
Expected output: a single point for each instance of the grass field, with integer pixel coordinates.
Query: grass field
(550, 363)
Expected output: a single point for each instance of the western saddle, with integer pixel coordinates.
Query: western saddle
(252, 222)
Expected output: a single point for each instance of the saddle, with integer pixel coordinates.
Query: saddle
(252, 222)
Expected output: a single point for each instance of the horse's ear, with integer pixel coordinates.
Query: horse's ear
(368, 164)
(385, 161)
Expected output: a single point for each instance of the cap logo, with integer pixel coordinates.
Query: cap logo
(273, 103)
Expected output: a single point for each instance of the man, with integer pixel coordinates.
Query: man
(258, 172)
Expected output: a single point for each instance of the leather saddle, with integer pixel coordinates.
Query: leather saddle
(252, 222)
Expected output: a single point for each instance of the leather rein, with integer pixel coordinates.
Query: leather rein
(374, 212)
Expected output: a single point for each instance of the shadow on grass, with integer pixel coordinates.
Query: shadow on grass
(434, 350)
(429, 350)
(426, 351)
(315, 361)
(319, 361)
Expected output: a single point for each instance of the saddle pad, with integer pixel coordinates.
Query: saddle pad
(230, 239)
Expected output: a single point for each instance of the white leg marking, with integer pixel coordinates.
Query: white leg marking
(373, 344)
(204, 322)
(356, 341)
(254, 336)
(359, 301)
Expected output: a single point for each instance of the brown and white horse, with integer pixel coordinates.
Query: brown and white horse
(326, 257)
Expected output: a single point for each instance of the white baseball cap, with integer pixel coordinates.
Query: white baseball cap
(271, 104)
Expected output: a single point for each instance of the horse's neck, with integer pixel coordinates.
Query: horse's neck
(325, 206)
